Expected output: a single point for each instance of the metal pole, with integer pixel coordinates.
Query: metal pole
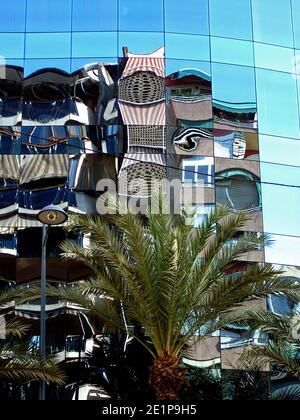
(43, 309)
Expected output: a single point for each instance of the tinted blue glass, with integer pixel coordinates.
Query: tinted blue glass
(187, 47)
(78, 63)
(189, 16)
(32, 65)
(232, 51)
(94, 15)
(12, 16)
(136, 15)
(272, 22)
(233, 84)
(273, 57)
(281, 209)
(279, 150)
(277, 104)
(12, 45)
(296, 19)
(231, 19)
(45, 45)
(140, 42)
(94, 44)
(173, 66)
(285, 250)
(48, 15)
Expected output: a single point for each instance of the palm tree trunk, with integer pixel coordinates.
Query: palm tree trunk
(167, 377)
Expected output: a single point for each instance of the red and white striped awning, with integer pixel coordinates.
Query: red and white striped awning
(154, 65)
(143, 114)
(142, 154)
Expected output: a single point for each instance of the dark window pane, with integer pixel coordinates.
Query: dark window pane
(189, 16)
(48, 15)
(231, 19)
(94, 15)
(140, 15)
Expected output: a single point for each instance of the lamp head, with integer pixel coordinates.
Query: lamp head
(52, 215)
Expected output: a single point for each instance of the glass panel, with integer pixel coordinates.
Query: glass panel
(48, 15)
(277, 104)
(274, 58)
(12, 16)
(232, 51)
(94, 15)
(296, 18)
(94, 44)
(232, 20)
(234, 98)
(140, 42)
(140, 15)
(188, 47)
(279, 150)
(174, 65)
(281, 204)
(236, 145)
(12, 45)
(45, 45)
(32, 65)
(285, 250)
(272, 22)
(190, 16)
(189, 100)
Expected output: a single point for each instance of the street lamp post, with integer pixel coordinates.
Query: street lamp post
(48, 216)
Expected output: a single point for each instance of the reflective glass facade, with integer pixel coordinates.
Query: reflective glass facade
(126, 89)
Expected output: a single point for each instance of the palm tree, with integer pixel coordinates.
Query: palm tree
(283, 347)
(17, 362)
(161, 273)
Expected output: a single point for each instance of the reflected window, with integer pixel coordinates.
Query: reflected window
(48, 16)
(198, 171)
(190, 16)
(232, 20)
(277, 104)
(201, 214)
(189, 98)
(94, 44)
(94, 15)
(234, 97)
(268, 17)
(239, 190)
(187, 47)
(12, 16)
(140, 16)
(53, 45)
(236, 144)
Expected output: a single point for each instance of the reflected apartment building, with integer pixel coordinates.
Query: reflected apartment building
(127, 91)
